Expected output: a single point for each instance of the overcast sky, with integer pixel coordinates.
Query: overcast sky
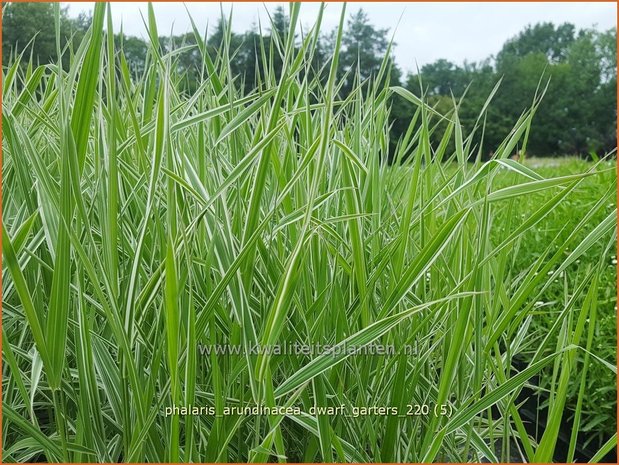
(425, 33)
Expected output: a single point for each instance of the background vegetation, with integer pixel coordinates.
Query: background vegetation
(578, 115)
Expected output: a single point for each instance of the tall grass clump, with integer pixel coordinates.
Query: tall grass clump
(142, 222)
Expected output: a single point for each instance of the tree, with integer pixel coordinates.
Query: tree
(280, 23)
(33, 25)
(443, 78)
(605, 101)
(545, 38)
(240, 56)
(363, 50)
(593, 100)
(135, 51)
(275, 41)
(574, 116)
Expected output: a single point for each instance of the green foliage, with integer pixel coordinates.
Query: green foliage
(577, 115)
(29, 28)
(543, 38)
(363, 50)
(599, 406)
(152, 210)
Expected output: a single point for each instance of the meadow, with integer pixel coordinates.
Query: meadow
(141, 221)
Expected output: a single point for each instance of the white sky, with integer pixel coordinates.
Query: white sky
(426, 31)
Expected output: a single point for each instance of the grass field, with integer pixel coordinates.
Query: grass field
(141, 222)
(599, 404)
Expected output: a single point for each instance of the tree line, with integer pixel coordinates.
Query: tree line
(577, 68)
